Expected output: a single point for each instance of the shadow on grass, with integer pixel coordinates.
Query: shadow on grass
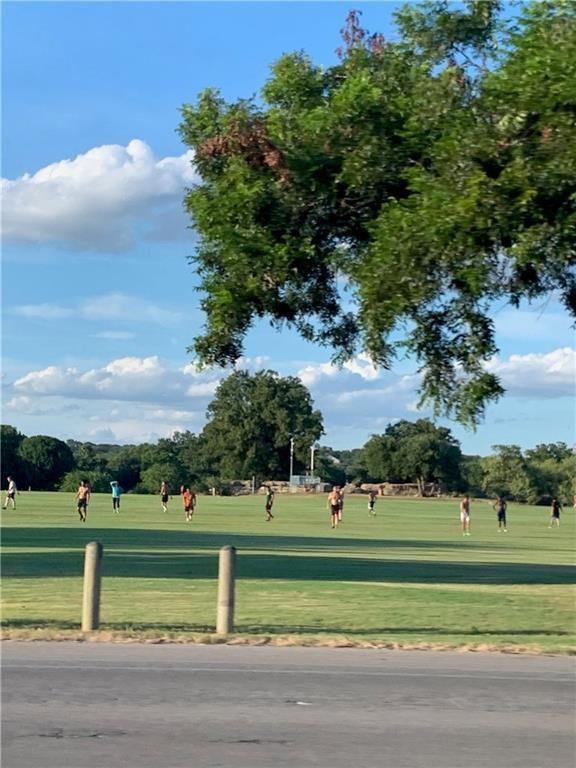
(145, 538)
(327, 568)
(278, 629)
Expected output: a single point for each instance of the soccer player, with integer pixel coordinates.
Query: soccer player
(116, 493)
(500, 506)
(334, 500)
(371, 502)
(164, 495)
(269, 502)
(11, 493)
(189, 501)
(83, 497)
(465, 516)
(555, 513)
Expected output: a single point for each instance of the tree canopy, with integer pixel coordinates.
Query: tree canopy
(412, 452)
(45, 460)
(251, 422)
(385, 203)
(415, 452)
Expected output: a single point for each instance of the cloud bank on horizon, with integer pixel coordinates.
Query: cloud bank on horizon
(137, 399)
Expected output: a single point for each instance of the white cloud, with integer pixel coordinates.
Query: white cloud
(413, 407)
(126, 379)
(167, 414)
(312, 374)
(114, 335)
(96, 201)
(109, 306)
(252, 363)
(29, 406)
(364, 367)
(142, 398)
(548, 375)
(204, 388)
(361, 365)
(44, 311)
(358, 396)
(124, 307)
(102, 435)
(136, 379)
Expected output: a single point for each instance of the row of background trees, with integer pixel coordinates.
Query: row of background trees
(250, 423)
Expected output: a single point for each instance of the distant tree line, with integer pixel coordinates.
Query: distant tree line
(250, 424)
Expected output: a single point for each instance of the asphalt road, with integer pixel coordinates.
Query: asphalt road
(91, 705)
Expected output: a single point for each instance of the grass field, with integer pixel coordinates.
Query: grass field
(404, 578)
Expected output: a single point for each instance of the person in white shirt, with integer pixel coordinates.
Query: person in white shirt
(11, 493)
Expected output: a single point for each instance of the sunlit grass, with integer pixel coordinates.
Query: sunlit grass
(405, 577)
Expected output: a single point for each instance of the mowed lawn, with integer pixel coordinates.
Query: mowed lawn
(406, 577)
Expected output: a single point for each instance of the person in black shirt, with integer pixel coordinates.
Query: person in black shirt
(555, 513)
(500, 506)
(371, 503)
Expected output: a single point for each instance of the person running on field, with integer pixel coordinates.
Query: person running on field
(116, 493)
(164, 495)
(11, 493)
(465, 516)
(500, 506)
(341, 505)
(555, 513)
(334, 500)
(188, 500)
(371, 503)
(269, 503)
(83, 497)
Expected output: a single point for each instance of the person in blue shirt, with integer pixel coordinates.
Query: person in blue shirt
(116, 493)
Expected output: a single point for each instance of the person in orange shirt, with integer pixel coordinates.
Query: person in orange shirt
(189, 501)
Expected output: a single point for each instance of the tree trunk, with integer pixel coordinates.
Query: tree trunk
(420, 484)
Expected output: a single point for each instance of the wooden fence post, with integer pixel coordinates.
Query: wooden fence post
(91, 601)
(226, 584)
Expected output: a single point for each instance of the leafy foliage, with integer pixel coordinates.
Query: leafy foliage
(414, 452)
(45, 460)
(236, 448)
(99, 480)
(251, 422)
(10, 440)
(430, 177)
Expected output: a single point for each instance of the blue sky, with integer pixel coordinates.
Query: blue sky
(98, 297)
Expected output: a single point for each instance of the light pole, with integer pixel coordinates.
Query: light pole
(312, 449)
(291, 458)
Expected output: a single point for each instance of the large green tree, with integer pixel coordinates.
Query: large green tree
(125, 466)
(99, 481)
(45, 461)
(251, 422)
(414, 452)
(429, 177)
(507, 473)
(10, 440)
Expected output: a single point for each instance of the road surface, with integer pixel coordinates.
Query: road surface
(93, 705)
